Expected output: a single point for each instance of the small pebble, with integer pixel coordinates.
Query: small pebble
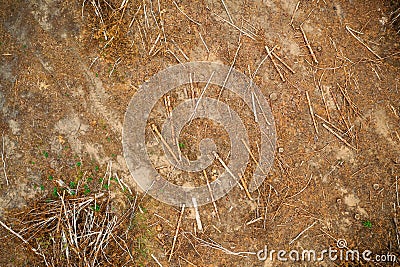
(376, 186)
(357, 216)
(273, 96)
(338, 200)
(319, 48)
(280, 150)
(158, 228)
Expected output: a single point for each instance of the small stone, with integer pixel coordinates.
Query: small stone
(357, 216)
(273, 96)
(376, 186)
(319, 48)
(158, 228)
(280, 150)
(338, 200)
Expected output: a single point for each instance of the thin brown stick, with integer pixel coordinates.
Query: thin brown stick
(252, 156)
(3, 159)
(397, 193)
(189, 18)
(346, 96)
(155, 129)
(21, 238)
(176, 232)
(308, 45)
(351, 31)
(312, 113)
(230, 69)
(197, 214)
(180, 50)
(254, 220)
(227, 11)
(212, 195)
(227, 169)
(329, 123)
(155, 43)
(340, 110)
(338, 136)
(302, 232)
(173, 54)
(204, 43)
(283, 62)
(245, 187)
(200, 97)
(191, 264)
(397, 231)
(156, 260)
(248, 34)
(323, 96)
(274, 63)
(294, 12)
(266, 207)
(304, 188)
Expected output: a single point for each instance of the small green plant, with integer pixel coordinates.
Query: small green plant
(86, 190)
(181, 145)
(106, 186)
(45, 154)
(96, 207)
(142, 237)
(55, 192)
(72, 184)
(96, 168)
(42, 187)
(367, 224)
(90, 178)
(78, 164)
(50, 177)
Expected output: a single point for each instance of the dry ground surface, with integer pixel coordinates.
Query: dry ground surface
(69, 69)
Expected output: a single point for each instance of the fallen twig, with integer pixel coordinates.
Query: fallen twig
(312, 113)
(178, 225)
(302, 232)
(3, 159)
(189, 18)
(351, 31)
(227, 169)
(197, 214)
(338, 136)
(273, 63)
(155, 259)
(308, 45)
(212, 195)
(237, 28)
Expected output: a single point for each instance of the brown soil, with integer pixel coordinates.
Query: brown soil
(64, 90)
